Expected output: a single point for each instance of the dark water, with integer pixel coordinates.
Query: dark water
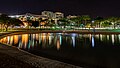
(86, 50)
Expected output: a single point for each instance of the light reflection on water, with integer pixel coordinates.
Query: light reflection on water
(66, 45)
(27, 41)
(93, 41)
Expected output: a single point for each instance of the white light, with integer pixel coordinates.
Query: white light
(93, 41)
(17, 16)
(113, 39)
(73, 41)
(93, 21)
(74, 34)
(12, 16)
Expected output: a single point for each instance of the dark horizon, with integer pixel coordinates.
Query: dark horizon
(93, 8)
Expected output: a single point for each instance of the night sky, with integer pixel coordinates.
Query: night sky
(93, 8)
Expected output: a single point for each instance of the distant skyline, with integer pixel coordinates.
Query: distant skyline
(93, 8)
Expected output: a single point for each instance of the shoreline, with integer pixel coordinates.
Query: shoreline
(61, 31)
(39, 61)
(31, 59)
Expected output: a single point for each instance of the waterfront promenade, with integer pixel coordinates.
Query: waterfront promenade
(16, 58)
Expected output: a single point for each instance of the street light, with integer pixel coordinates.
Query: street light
(92, 25)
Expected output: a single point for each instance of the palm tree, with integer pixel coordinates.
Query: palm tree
(77, 21)
(85, 19)
(98, 21)
(113, 20)
(64, 22)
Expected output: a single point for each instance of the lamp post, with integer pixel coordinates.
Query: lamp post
(93, 22)
(92, 25)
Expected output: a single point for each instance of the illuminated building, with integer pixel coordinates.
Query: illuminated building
(70, 16)
(51, 15)
(48, 14)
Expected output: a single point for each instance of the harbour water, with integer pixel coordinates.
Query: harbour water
(86, 50)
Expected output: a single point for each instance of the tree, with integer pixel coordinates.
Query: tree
(106, 24)
(113, 20)
(64, 22)
(35, 23)
(85, 19)
(98, 21)
(7, 21)
(15, 22)
(4, 19)
(77, 20)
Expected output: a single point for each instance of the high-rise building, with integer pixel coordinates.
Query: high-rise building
(51, 15)
(48, 14)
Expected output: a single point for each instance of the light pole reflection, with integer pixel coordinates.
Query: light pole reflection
(15, 39)
(73, 39)
(119, 37)
(25, 40)
(8, 40)
(108, 37)
(113, 39)
(93, 41)
(11, 40)
(60, 40)
(58, 44)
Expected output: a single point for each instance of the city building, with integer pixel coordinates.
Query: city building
(70, 16)
(44, 15)
(51, 15)
(48, 14)
(27, 16)
(58, 15)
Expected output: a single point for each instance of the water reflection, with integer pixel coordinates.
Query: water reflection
(93, 41)
(11, 40)
(119, 37)
(113, 40)
(58, 41)
(73, 41)
(58, 44)
(15, 38)
(25, 40)
(78, 48)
